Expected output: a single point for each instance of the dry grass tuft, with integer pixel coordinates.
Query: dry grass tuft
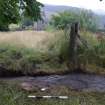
(28, 39)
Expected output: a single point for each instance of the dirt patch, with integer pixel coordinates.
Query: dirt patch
(77, 82)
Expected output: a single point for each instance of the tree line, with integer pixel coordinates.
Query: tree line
(86, 18)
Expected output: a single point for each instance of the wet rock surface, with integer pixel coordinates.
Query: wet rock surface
(80, 82)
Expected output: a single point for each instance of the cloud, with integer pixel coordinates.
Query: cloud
(89, 4)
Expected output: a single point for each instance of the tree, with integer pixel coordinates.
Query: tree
(33, 5)
(63, 18)
(86, 19)
(33, 9)
(10, 11)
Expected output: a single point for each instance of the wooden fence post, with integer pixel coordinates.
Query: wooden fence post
(73, 46)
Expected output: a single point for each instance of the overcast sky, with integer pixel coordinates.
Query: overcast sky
(89, 4)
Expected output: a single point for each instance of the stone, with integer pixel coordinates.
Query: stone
(28, 86)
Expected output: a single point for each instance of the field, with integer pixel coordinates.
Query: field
(57, 57)
(29, 39)
(32, 52)
(29, 51)
(48, 52)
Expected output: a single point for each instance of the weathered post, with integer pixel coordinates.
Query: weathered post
(73, 46)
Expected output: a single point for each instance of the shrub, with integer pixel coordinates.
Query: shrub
(86, 18)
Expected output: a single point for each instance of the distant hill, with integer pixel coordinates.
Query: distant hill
(53, 9)
(57, 8)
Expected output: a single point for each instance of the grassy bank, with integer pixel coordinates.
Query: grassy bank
(48, 54)
(28, 61)
(34, 52)
(13, 95)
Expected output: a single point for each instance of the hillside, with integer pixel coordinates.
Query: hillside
(57, 8)
(53, 9)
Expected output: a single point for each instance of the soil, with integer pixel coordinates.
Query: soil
(79, 82)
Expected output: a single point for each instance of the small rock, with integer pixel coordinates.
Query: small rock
(44, 89)
(27, 86)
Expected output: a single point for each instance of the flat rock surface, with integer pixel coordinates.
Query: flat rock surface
(81, 82)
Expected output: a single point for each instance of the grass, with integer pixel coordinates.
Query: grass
(33, 52)
(14, 95)
(28, 60)
(94, 56)
(28, 39)
(20, 55)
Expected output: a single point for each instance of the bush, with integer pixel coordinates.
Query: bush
(86, 18)
(93, 56)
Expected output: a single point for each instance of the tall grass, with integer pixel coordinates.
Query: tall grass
(49, 51)
(92, 56)
(28, 39)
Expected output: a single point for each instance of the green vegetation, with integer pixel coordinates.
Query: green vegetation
(14, 95)
(86, 18)
(27, 60)
(94, 55)
(54, 57)
(46, 53)
(33, 9)
(10, 11)
(91, 59)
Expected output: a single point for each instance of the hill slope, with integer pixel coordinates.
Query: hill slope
(53, 9)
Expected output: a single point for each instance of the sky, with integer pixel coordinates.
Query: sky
(88, 4)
